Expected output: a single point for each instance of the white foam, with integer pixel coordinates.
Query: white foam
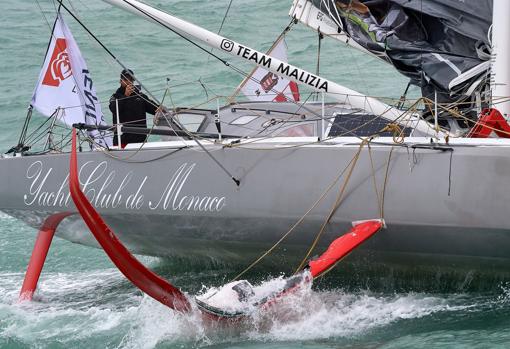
(72, 306)
(505, 293)
(337, 314)
(304, 315)
(156, 323)
(5, 216)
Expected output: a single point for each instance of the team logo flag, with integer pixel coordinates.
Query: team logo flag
(65, 88)
(263, 85)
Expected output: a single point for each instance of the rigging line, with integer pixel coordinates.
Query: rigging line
(421, 52)
(59, 146)
(300, 220)
(174, 118)
(46, 19)
(383, 195)
(360, 73)
(108, 62)
(282, 124)
(54, 5)
(70, 4)
(346, 132)
(29, 138)
(90, 33)
(28, 117)
(104, 102)
(146, 137)
(192, 136)
(177, 33)
(195, 139)
(149, 160)
(460, 116)
(82, 3)
(221, 26)
(225, 17)
(42, 135)
(375, 180)
(269, 136)
(190, 41)
(36, 137)
(104, 47)
(205, 89)
(335, 206)
(110, 154)
(450, 174)
(283, 121)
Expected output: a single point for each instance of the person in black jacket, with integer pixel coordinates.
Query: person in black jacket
(133, 106)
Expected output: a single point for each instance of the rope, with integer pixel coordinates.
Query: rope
(456, 113)
(335, 206)
(338, 202)
(299, 221)
(398, 133)
(374, 180)
(385, 182)
(225, 16)
(221, 27)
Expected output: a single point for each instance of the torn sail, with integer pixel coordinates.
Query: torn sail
(433, 42)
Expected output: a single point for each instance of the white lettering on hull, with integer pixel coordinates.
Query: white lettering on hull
(108, 190)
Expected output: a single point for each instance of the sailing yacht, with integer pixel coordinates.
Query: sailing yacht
(227, 183)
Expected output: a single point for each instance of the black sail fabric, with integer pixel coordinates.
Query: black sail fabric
(430, 41)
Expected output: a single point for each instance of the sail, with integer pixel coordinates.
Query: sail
(65, 85)
(441, 45)
(263, 85)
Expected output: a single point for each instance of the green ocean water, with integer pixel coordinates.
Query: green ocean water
(83, 302)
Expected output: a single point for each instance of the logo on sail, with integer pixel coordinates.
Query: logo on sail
(269, 81)
(265, 85)
(59, 67)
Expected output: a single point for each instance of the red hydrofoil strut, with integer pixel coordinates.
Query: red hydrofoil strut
(152, 284)
(39, 253)
(142, 277)
(167, 294)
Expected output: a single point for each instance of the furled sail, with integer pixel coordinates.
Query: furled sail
(441, 45)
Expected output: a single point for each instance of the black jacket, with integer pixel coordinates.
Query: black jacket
(132, 112)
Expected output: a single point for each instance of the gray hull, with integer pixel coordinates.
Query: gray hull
(447, 201)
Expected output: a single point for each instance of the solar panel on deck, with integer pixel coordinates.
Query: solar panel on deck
(361, 125)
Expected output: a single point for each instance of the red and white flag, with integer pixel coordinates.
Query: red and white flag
(266, 86)
(65, 85)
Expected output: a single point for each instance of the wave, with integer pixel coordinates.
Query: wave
(82, 309)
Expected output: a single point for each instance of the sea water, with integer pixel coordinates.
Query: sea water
(83, 302)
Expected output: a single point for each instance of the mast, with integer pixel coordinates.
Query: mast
(300, 76)
(500, 73)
